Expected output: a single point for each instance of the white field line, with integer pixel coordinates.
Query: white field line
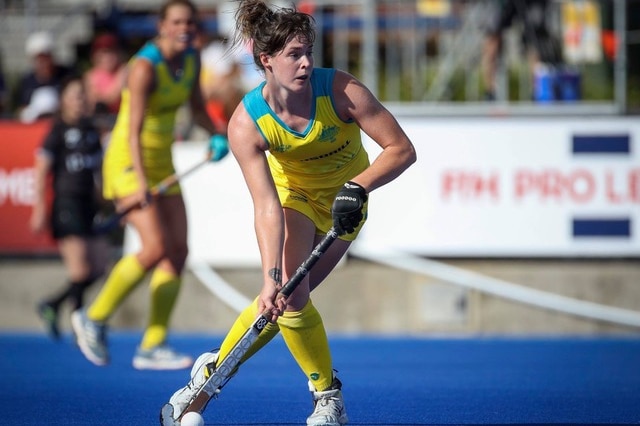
(500, 288)
(219, 287)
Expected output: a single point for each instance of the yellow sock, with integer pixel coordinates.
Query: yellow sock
(164, 288)
(124, 277)
(240, 326)
(306, 339)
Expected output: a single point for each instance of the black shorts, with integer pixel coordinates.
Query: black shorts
(72, 216)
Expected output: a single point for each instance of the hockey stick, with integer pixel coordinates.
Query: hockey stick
(160, 188)
(223, 371)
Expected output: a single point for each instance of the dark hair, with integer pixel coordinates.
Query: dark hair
(270, 29)
(169, 3)
(67, 80)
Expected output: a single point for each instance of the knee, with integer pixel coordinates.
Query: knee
(176, 254)
(152, 254)
(96, 272)
(306, 317)
(299, 299)
(99, 267)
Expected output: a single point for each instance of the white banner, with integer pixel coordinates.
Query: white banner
(513, 187)
(219, 211)
(503, 187)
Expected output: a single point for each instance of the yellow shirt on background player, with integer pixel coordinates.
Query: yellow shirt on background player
(310, 167)
(157, 133)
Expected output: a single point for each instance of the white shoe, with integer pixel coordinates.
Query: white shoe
(329, 406)
(161, 357)
(200, 372)
(90, 337)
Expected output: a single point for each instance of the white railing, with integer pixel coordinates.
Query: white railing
(403, 52)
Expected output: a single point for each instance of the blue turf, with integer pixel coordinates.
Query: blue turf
(387, 381)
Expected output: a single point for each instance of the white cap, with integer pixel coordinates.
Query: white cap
(216, 59)
(38, 43)
(44, 101)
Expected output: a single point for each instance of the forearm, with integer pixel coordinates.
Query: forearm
(136, 158)
(39, 210)
(199, 113)
(40, 180)
(269, 227)
(355, 101)
(390, 164)
(202, 119)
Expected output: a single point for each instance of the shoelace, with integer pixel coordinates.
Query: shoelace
(199, 379)
(164, 352)
(181, 403)
(94, 332)
(324, 407)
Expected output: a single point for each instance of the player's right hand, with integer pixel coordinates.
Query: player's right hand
(142, 198)
(146, 200)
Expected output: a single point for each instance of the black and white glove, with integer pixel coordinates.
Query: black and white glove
(347, 208)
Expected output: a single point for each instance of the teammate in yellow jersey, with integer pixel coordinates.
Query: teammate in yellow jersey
(162, 76)
(316, 175)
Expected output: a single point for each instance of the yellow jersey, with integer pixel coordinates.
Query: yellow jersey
(309, 167)
(158, 126)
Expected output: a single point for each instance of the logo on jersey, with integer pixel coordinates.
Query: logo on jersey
(72, 137)
(281, 148)
(328, 134)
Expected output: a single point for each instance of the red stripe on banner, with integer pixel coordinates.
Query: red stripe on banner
(18, 144)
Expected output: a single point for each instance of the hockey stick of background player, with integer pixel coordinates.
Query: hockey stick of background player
(223, 370)
(160, 188)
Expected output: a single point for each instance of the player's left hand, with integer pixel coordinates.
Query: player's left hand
(347, 208)
(218, 147)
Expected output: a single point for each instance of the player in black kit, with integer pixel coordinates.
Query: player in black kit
(72, 154)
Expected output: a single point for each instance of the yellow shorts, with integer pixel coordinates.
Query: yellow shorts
(317, 207)
(119, 178)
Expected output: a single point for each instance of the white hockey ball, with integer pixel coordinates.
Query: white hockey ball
(192, 419)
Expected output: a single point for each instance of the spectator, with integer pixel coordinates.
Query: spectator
(43, 104)
(538, 41)
(37, 91)
(221, 81)
(106, 77)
